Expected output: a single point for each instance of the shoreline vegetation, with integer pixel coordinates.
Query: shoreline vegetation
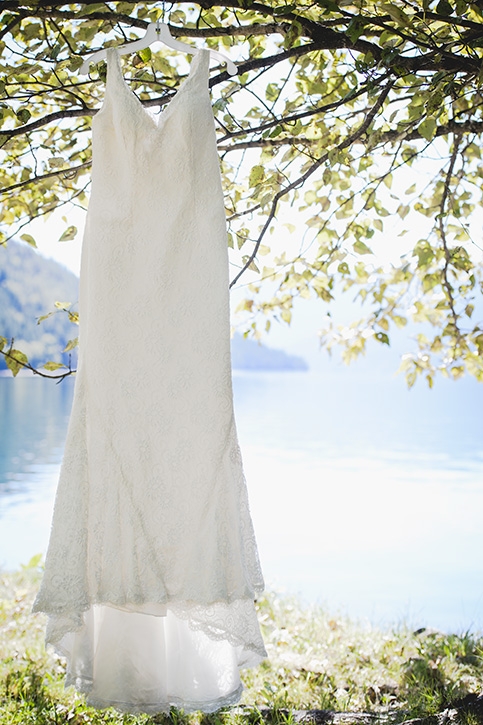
(321, 668)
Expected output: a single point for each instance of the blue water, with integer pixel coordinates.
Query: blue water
(366, 497)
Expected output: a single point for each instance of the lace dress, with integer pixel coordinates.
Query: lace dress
(152, 566)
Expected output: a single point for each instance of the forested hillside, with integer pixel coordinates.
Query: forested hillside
(29, 286)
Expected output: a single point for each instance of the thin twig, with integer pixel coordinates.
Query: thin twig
(447, 254)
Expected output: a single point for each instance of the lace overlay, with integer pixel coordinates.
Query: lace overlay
(151, 533)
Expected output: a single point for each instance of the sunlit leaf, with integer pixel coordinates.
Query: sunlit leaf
(53, 365)
(71, 344)
(15, 360)
(29, 239)
(70, 233)
(361, 248)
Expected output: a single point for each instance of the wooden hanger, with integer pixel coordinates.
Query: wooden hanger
(156, 31)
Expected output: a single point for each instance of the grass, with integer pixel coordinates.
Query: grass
(316, 661)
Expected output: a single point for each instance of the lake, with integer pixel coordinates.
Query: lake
(366, 497)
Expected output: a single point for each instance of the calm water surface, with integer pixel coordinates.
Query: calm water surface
(365, 497)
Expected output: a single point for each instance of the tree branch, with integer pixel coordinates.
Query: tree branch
(34, 179)
(162, 100)
(447, 254)
(270, 143)
(342, 145)
(304, 114)
(443, 130)
(36, 371)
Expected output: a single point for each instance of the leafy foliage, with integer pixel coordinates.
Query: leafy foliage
(345, 117)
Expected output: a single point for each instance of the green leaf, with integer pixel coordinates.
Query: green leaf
(424, 253)
(276, 131)
(14, 361)
(220, 104)
(257, 174)
(310, 197)
(361, 272)
(3, 342)
(444, 8)
(430, 281)
(29, 239)
(460, 259)
(388, 38)
(44, 317)
(284, 9)
(396, 14)
(53, 365)
(33, 563)
(145, 54)
(31, 30)
(71, 344)
(427, 128)
(361, 248)
(355, 29)
(411, 379)
(330, 5)
(382, 337)
(23, 115)
(70, 233)
(56, 162)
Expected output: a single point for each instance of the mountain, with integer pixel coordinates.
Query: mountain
(30, 284)
(248, 354)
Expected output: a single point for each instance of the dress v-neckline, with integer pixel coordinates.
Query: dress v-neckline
(114, 73)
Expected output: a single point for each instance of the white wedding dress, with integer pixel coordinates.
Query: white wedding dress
(152, 567)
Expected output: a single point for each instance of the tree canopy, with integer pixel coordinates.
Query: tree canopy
(344, 117)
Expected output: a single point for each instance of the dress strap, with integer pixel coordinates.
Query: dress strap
(114, 69)
(199, 68)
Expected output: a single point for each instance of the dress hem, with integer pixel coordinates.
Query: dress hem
(153, 708)
(64, 623)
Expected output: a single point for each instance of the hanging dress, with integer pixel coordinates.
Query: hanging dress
(152, 566)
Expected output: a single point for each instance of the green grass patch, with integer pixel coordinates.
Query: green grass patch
(316, 661)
